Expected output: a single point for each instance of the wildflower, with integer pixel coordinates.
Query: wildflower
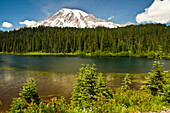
(55, 98)
(48, 105)
(33, 111)
(121, 94)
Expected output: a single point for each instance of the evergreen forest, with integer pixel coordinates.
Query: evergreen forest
(135, 40)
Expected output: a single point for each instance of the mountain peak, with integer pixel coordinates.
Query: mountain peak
(74, 18)
(77, 12)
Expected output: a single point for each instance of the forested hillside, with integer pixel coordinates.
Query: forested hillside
(139, 40)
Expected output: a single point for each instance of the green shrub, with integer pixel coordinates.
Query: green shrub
(151, 54)
(55, 106)
(126, 83)
(155, 80)
(18, 105)
(89, 85)
(29, 92)
(136, 100)
(165, 95)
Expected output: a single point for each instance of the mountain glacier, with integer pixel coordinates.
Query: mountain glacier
(74, 18)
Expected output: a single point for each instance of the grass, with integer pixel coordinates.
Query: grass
(93, 54)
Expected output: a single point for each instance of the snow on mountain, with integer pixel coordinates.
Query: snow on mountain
(74, 18)
(127, 24)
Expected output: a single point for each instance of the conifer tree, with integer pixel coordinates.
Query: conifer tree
(155, 80)
(29, 92)
(126, 83)
(89, 86)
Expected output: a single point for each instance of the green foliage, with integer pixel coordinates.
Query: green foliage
(122, 102)
(89, 85)
(101, 89)
(29, 92)
(18, 105)
(28, 95)
(55, 106)
(126, 83)
(136, 100)
(155, 80)
(0, 103)
(165, 95)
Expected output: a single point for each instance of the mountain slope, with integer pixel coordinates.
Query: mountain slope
(74, 18)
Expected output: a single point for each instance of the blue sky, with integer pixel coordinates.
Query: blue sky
(15, 11)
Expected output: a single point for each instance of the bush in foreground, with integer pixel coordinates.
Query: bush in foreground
(28, 95)
(165, 95)
(29, 92)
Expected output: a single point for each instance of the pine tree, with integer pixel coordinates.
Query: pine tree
(89, 86)
(155, 80)
(126, 83)
(29, 92)
(102, 89)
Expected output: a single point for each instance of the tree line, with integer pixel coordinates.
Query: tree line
(136, 39)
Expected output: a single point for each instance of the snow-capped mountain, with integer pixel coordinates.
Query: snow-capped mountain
(74, 18)
(127, 24)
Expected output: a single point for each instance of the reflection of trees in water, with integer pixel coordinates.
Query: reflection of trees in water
(114, 80)
(48, 84)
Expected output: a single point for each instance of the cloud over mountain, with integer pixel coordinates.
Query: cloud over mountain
(158, 12)
(7, 24)
(110, 17)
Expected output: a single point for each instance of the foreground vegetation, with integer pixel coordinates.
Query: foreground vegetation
(131, 41)
(91, 94)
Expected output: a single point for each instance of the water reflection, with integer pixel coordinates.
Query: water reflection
(11, 81)
(71, 64)
(8, 78)
(48, 84)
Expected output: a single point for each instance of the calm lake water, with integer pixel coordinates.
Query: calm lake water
(55, 75)
(71, 64)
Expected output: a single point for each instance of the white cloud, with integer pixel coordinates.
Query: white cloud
(7, 24)
(158, 12)
(110, 17)
(28, 23)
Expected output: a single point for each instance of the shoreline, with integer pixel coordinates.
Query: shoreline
(94, 54)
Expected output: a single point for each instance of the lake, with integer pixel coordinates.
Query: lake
(55, 75)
